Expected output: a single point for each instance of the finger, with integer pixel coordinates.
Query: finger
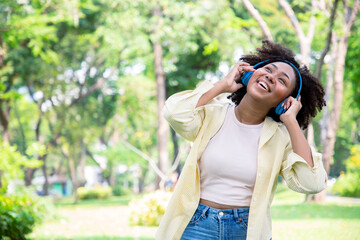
(291, 101)
(288, 102)
(243, 64)
(246, 68)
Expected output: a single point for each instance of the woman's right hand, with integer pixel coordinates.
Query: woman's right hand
(231, 83)
(228, 85)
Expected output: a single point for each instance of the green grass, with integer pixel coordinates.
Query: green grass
(295, 219)
(97, 238)
(292, 217)
(69, 201)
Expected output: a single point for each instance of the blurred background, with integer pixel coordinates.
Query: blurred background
(84, 150)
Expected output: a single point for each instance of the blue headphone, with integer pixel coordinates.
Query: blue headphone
(247, 75)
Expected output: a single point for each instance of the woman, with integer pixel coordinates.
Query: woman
(230, 176)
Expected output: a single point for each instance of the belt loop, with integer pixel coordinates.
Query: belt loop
(204, 211)
(236, 216)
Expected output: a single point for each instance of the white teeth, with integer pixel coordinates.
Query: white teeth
(264, 85)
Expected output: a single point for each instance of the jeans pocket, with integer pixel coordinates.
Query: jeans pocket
(244, 222)
(197, 217)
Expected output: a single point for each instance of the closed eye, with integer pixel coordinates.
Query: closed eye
(268, 69)
(282, 81)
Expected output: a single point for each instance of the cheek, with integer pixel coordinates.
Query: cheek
(282, 93)
(256, 74)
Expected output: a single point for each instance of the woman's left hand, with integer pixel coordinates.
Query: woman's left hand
(293, 107)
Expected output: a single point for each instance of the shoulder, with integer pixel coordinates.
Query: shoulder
(281, 130)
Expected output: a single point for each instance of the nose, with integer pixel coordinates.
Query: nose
(269, 78)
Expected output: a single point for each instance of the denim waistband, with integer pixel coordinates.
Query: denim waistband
(223, 213)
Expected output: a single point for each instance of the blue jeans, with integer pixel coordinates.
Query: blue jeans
(209, 223)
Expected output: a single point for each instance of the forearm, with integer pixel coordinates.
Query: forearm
(210, 94)
(298, 141)
(229, 84)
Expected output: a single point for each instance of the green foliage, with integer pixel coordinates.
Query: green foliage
(352, 70)
(12, 162)
(118, 190)
(348, 184)
(97, 192)
(58, 50)
(19, 214)
(149, 210)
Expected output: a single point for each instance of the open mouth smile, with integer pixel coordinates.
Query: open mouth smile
(264, 85)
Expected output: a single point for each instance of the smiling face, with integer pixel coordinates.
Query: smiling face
(272, 83)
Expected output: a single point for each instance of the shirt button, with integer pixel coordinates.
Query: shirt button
(250, 228)
(260, 174)
(255, 199)
(221, 214)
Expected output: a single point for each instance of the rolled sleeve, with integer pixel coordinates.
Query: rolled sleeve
(181, 112)
(302, 178)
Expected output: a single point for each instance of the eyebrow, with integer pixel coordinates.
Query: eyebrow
(281, 72)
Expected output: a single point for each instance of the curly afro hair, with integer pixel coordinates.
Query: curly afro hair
(312, 92)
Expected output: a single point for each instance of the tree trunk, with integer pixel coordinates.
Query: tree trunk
(328, 40)
(330, 137)
(328, 89)
(46, 176)
(40, 139)
(74, 180)
(82, 164)
(163, 127)
(29, 175)
(4, 118)
(2, 51)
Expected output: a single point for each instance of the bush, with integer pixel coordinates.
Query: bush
(120, 191)
(12, 162)
(149, 210)
(348, 185)
(97, 192)
(19, 214)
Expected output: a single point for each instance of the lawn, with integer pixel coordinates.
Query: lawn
(292, 219)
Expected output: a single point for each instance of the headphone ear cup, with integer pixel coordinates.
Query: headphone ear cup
(280, 109)
(245, 77)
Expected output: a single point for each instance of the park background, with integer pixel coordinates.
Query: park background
(84, 150)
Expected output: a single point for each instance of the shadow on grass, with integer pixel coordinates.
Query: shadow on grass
(311, 211)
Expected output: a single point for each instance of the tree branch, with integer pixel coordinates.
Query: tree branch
(90, 155)
(328, 40)
(98, 83)
(312, 23)
(350, 22)
(92, 89)
(147, 158)
(291, 15)
(2, 51)
(255, 13)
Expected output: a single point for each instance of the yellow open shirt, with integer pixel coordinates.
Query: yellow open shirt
(275, 157)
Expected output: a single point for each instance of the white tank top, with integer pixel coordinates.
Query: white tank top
(228, 164)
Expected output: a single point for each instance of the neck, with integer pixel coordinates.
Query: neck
(250, 111)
